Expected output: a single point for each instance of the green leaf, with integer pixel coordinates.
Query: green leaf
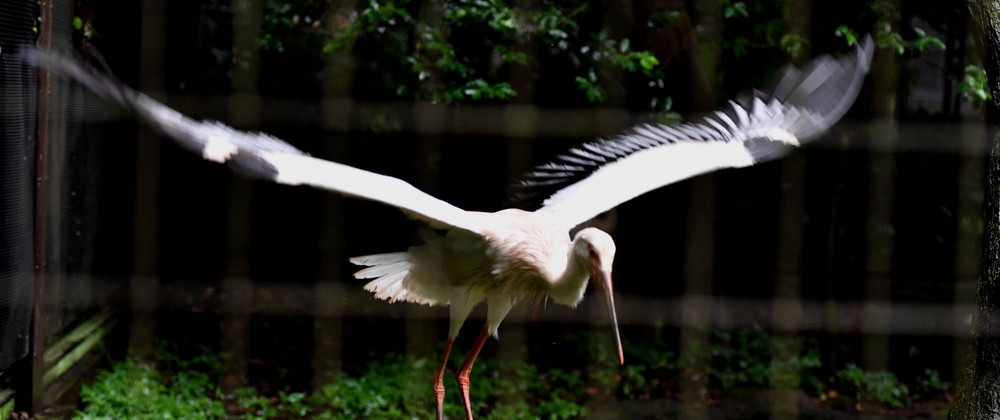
(664, 19)
(737, 9)
(77, 23)
(848, 34)
(513, 56)
(648, 61)
(793, 44)
(590, 88)
(740, 45)
(923, 40)
(885, 37)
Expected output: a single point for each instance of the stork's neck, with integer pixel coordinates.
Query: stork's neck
(568, 288)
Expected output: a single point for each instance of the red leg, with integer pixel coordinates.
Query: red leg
(439, 380)
(463, 372)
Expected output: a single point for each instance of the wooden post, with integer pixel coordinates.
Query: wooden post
(38, 333)
(144, 285)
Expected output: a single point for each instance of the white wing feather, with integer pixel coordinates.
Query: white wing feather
(306, 170)
(640, 173)
(806, 104)
(262, 155)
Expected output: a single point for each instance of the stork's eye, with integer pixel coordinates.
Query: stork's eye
(592, 252)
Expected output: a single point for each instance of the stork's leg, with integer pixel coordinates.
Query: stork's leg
(463, 372)
(439, 379)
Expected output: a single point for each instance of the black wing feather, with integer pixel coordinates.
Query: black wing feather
(809, 101)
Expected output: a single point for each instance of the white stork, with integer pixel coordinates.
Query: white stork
(513, 255)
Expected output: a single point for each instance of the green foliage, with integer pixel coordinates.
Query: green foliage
(923, 41)
(618, 54)
(882, 7)
(930, 382)
(394, 387)
(885, 37)
(731, 9)
(759, 25)
(459, 50)
(590, 87)
(849, 35)
(973, 86)
(377, 17)
(254, 406)
(138, 391)
(880, 387)
(555, 27)
(739, 46)
(559, 409)
(479, 89)
(666, 115)
(660, 19)
(79, 25)
(973, 83)
(747, 358)
(793, 44)
(397, 387)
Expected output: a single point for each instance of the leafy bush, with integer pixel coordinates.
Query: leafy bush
(132, 390)
(880, 387)
(394, 387)
(398, 387)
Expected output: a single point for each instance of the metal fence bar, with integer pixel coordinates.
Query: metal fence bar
(339, 113)
(797, 315)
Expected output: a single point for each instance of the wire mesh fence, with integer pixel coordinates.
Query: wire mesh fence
(869, 239)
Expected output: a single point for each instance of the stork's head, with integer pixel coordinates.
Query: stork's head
(596, 250)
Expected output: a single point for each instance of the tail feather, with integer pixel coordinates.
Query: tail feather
(389, 287)
(383, 270)
(380, 259)
(390, 272)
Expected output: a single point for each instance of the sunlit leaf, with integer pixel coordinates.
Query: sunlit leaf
(848, 34)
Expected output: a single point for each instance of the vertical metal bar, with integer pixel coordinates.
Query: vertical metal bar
(244, 111)
(699, 276)
(430, 122)
(520, 124)
(787, 303)
(876, 310)
(337, 109)
(880, 237)
(41, 213)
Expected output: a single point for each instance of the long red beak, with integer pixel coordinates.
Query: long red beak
(603, 280)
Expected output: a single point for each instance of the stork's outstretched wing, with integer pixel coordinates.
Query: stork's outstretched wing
(261, 155)
(799, 106)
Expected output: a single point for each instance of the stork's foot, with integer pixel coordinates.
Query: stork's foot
(439, 380)
(463, 384)
(439, 395)
(463, 372)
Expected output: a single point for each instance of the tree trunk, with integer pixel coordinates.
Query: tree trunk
(979, 394)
